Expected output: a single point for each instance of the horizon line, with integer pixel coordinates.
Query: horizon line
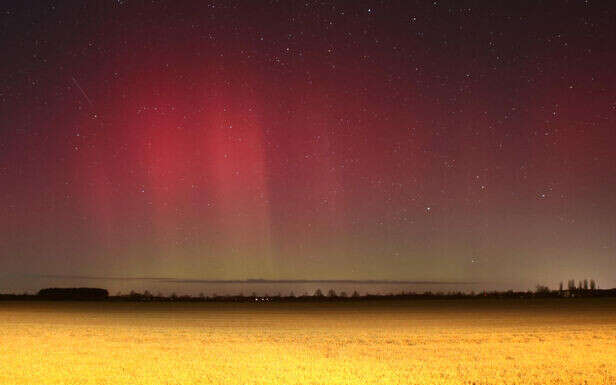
(260, 280)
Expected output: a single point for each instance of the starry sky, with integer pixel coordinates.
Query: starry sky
(389, 140)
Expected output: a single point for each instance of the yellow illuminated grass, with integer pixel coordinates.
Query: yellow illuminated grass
(565, 341)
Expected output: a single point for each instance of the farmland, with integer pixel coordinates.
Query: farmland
(540, 341)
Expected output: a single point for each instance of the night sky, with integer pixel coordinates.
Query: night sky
(428, 140)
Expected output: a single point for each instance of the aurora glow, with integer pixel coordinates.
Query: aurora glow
(302, 140)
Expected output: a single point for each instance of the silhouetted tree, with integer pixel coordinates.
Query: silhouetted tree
(571, 284)
(585, 284)
(343, 294)
(560, 286)
(292, 294)
(318, 293)
(332, 293)
(540, 289)
(355, 294)
(579, 285)
(593, 284)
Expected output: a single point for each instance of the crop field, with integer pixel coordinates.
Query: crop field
(552, 341)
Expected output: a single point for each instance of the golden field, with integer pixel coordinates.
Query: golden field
(553, 341)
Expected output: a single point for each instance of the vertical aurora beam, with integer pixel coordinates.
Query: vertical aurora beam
(234, 167)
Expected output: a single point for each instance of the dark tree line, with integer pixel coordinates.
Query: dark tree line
(78, 293)
(583, 288)
(584, 285)
(332, 296)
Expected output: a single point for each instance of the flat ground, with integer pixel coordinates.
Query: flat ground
(556, 341)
